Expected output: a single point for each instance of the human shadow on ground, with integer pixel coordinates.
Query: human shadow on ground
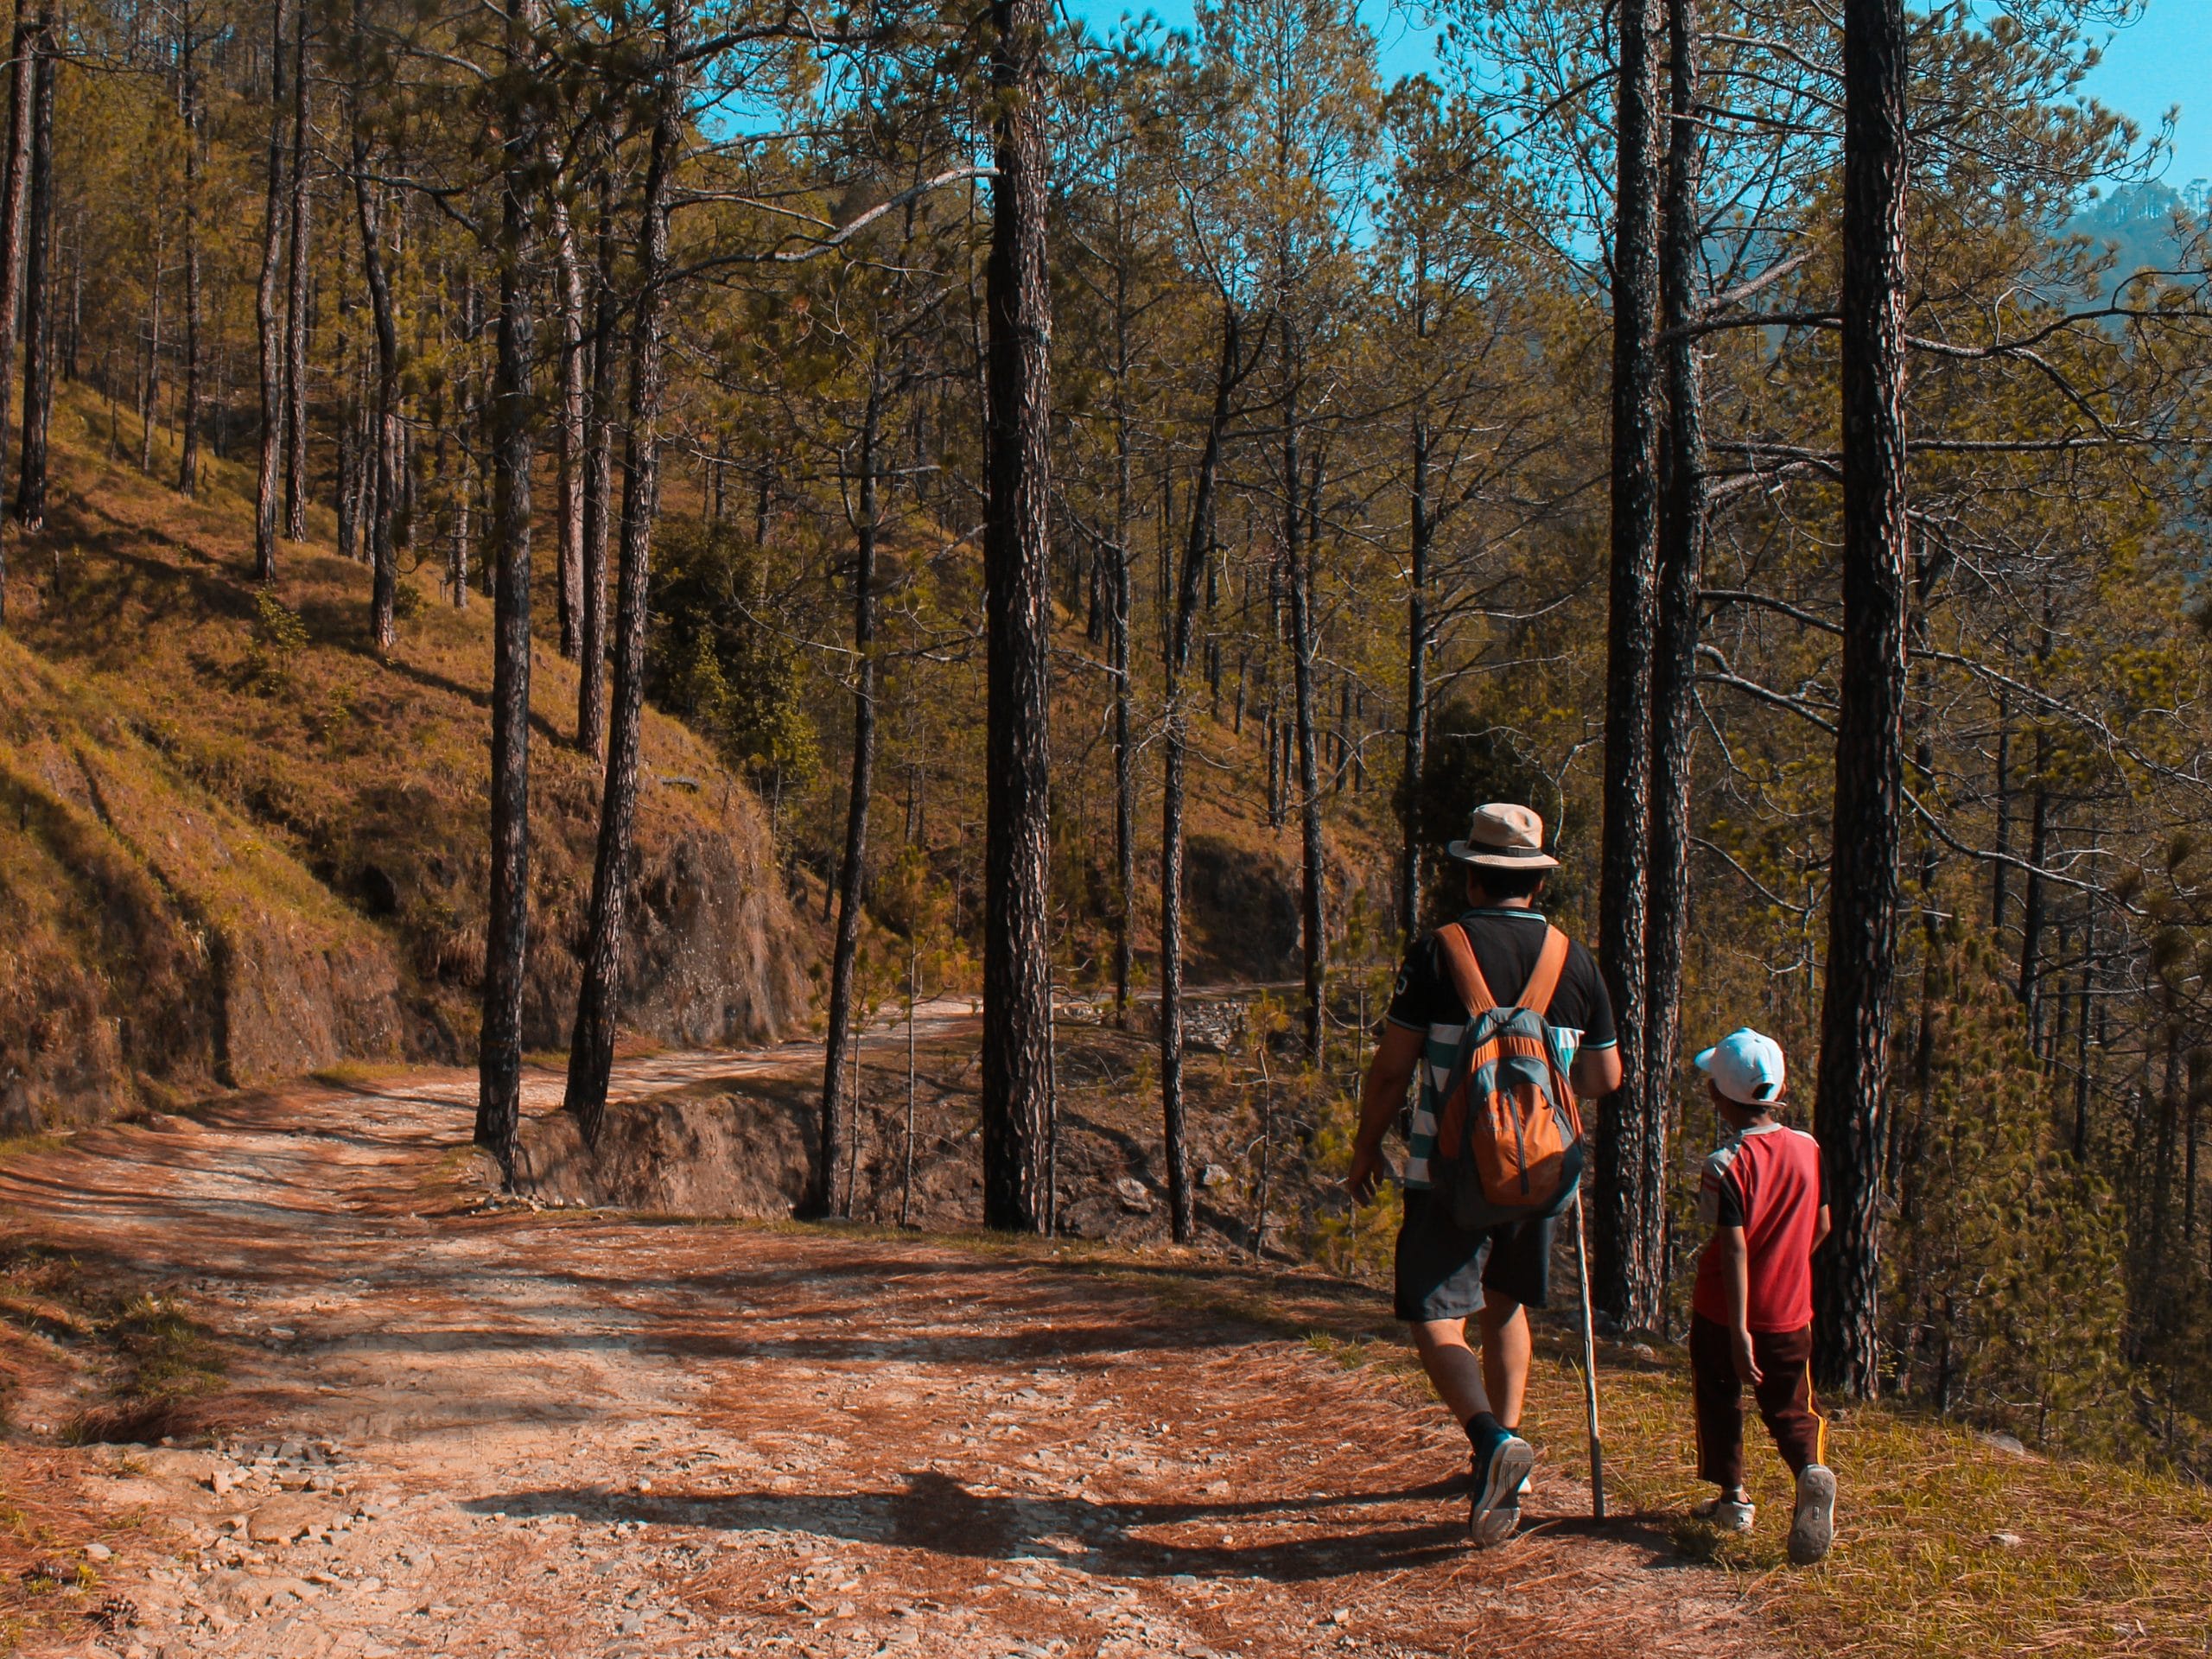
(937, 1513)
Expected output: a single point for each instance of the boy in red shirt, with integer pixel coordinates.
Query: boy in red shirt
(1752, 1313)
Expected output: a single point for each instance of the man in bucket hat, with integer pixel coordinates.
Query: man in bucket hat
(1446, 1274)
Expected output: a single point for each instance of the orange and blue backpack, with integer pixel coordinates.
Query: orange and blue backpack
(1509, 1134)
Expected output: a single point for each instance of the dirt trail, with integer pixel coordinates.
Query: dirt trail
(502, 1432)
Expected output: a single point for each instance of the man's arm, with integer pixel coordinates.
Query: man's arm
(1597, 1071)
(1395, 1058)
(1820, 1228)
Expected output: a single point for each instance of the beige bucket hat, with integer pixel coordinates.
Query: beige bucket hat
(1503, 836)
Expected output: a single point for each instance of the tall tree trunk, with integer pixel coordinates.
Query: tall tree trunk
(22, 95)
(74, 336)
(569, 433)
(499, 1060)
(833, 1175)
(457, 560)
(2032, 889)
(1625, 1279)
(1017, 967)
(499, 1102)
(349, 423)
(149, 403)
(384, 561)
(268, 320)
(38, 297)
(591, 1050)
(1674, 668)
(1174, 740)
(599, 487)
(1125, 783)
(1862, 909)
(1313, 935)
(2000, 871)
(1118, 647)
(188, 466)
(2081, 1138)
(296, 316)
(1413, 768)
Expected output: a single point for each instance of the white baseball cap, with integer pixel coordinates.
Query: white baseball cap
(1746, 1066)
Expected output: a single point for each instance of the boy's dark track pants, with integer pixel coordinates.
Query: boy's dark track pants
(1784, 1396)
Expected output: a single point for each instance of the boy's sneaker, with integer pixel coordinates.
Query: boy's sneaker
(1729, 1514)
(1812, 1529)
(1501, 1468)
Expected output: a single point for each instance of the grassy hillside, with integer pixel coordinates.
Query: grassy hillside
(235, 842)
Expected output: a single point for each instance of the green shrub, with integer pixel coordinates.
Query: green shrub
(279, 636)
(713, 666)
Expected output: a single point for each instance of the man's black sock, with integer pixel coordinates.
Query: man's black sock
(1483, 1429)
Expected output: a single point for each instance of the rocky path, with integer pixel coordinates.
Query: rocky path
(461, 1431)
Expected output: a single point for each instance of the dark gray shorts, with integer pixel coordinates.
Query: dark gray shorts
(1443, 1270)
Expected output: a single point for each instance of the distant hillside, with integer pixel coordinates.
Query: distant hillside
(2138, 223)
(233, 843)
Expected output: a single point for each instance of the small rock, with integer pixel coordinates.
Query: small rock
(1214, 1175)
(2008, 1444)
(1342, 1616)
(98, 1553)
(220, 1481)
(282, 1519)
(2007, 1540)
(630, 1625)
(644, 1486)
(1645, 1351)
(1134, 1194)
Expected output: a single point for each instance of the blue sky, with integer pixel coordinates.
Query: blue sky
(2166, 58)
(2163, 60)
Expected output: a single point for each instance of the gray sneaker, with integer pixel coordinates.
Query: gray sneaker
(1500, 1473)
(1729, 1514)
(1812, 1529)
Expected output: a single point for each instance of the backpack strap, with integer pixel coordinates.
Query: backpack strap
(1465, 975)
(1543, 980)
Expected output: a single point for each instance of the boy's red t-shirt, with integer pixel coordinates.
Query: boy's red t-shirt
(1766, 1180)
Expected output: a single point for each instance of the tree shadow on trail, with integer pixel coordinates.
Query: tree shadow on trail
(939, 1514)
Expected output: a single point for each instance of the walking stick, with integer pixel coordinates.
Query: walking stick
(1589, 1368)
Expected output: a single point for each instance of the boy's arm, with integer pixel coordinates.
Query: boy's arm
(1737, 1281)
(1820, 1228)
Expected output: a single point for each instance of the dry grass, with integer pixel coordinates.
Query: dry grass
(1948, 1547)
(203, 785)
(156, 1362)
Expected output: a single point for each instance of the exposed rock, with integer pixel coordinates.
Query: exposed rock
(739, 1149)
(282, 1519)
(1136, 1196)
